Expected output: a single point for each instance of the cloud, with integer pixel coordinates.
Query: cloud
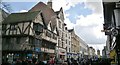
(95, 6)
(89, 19)
(70, 25)
(89, 28)
(23, 11)
(57, 4)
(65, 4)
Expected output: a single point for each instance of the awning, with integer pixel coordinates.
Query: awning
(61, 53)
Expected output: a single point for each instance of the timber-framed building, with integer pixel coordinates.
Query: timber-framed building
(26, 35)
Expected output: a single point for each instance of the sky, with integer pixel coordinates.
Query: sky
(85, 16)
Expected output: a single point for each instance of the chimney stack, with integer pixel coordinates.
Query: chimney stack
(49, 3)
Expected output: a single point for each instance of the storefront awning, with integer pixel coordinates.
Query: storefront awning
(61, 53)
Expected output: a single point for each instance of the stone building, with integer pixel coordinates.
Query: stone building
(68, 44)
(83, 49)
(75, 44)
(61, 26)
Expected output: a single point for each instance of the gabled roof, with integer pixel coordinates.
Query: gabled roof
(48, 13)
(58, 12)
(20, 17)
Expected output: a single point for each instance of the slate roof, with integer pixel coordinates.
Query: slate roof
(48, 13)
(20, 17)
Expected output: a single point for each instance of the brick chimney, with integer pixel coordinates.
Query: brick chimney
(49, 3)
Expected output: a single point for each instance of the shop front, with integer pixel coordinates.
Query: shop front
(47, 53)
(62, 53)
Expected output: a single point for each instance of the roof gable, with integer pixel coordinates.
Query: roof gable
(60, 14)
(20, 17)
(47, 13)
(38, 19)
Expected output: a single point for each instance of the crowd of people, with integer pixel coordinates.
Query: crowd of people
(90, 61)
(53, 61)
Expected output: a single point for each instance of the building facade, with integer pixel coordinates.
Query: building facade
(83, 49)
(58, 21)
(3, 15)
(68, 45)
(61, 47)
(27, 35)
(75, 44)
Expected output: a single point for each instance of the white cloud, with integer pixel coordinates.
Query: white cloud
(57, 4)
(23, 11)
(92, 19)
(70, 25)
(65, 4)
(95, 6)
(97, 32)
(89, 27)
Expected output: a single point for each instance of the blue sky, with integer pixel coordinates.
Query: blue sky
(78, 10)
(18, 6)
(86, 18)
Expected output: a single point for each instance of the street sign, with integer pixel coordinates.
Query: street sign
(114, 32)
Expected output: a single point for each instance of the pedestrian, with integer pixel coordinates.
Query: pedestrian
(51, 61)
(18, 62)
(68, 61)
